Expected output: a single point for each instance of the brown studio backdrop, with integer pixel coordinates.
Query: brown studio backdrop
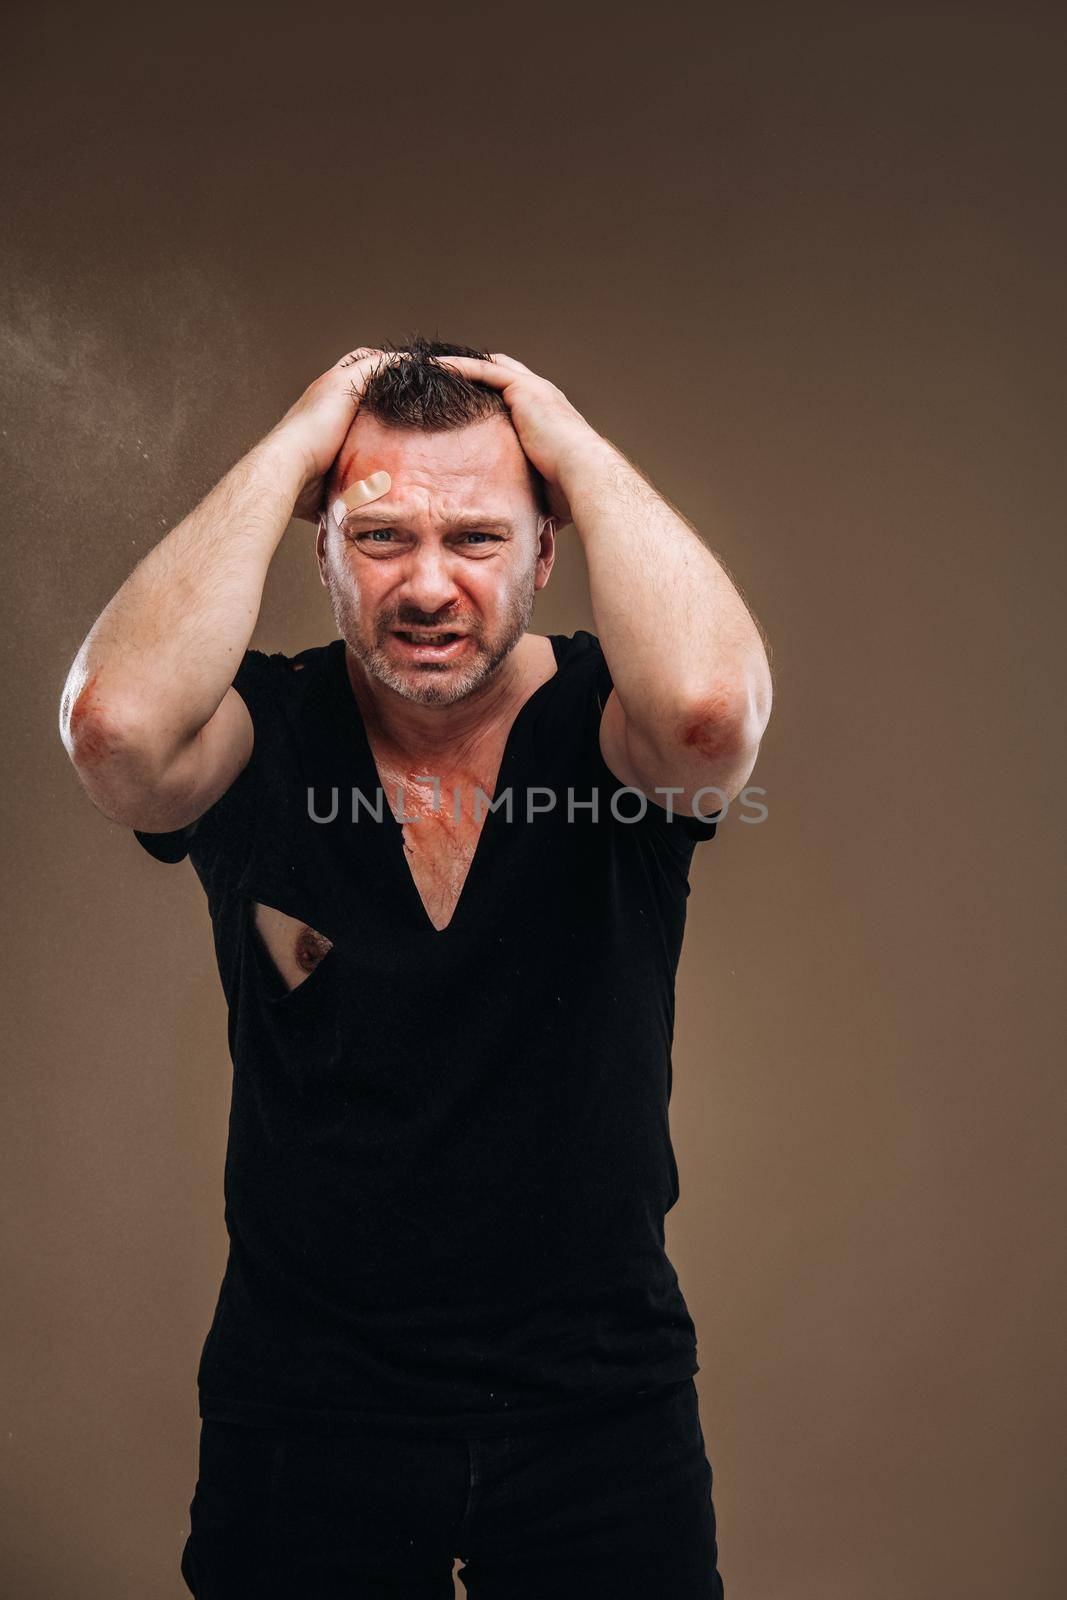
(802, 268)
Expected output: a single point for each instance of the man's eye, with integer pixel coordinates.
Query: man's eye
(382, 536)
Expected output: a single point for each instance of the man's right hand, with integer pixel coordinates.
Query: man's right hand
(316, 427)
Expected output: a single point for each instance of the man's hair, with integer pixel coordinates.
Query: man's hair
(420, 393)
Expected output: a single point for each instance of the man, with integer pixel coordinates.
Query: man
(448, 1325)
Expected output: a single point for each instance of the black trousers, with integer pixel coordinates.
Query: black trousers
(615, 1505)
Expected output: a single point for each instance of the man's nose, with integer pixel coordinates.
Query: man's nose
(429, 585)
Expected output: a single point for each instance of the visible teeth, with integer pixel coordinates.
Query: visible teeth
(429, 638)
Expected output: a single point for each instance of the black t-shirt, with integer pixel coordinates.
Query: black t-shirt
(449, 1157)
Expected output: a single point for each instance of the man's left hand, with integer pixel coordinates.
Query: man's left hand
(552, 433)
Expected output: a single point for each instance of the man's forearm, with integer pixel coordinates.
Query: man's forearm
(164, 651)
(678, 639)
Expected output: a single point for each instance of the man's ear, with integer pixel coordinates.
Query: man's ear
(546, 549)
(320, 547)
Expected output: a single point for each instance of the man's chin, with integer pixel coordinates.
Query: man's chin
(431, 683)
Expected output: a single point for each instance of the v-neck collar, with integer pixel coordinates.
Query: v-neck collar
(393, 848)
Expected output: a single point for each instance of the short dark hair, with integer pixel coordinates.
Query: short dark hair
(420, 393)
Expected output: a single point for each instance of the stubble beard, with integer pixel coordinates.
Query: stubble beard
(432, 684)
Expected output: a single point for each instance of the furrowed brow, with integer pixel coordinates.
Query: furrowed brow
(476, 519)
(371, 516)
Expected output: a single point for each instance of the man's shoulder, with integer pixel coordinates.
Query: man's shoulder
(581, 653)
(570, 649)
(267, 675)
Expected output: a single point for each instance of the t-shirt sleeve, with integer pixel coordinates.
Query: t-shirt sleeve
(224, 830)
(676, 822)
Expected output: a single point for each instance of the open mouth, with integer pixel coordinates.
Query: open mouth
(424, 645)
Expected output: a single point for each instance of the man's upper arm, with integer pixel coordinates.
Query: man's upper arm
(216, 791)
(203, 772)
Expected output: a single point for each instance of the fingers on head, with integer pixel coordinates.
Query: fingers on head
(367, 356)
(361, 354)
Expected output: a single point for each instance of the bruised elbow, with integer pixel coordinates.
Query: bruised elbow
(88, 731)
(718, 726)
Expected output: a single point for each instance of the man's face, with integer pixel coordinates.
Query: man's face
(456, 546)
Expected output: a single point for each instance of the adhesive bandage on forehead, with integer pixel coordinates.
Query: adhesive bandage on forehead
(361, 493)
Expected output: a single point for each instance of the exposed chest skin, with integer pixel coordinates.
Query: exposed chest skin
(442, 822)
(294, 946)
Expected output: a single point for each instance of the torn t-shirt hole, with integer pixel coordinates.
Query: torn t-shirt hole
(294, 946)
